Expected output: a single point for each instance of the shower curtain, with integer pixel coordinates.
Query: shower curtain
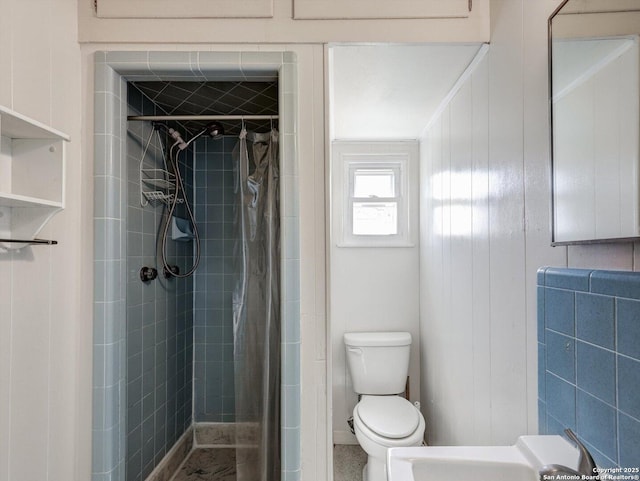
(256, 307)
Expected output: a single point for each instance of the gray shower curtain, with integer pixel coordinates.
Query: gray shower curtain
(256, 307)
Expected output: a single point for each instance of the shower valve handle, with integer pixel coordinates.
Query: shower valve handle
(170, 272)
(148, 274)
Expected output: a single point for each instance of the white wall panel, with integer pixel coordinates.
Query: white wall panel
(44, 423)
(461, 281)
(30, 377)
(506, 220)
(537, 189)
(5, 370)
(501, 114)
(603, 256)
(481, 309)
(454, 273)
(31, 53)
(6, 70)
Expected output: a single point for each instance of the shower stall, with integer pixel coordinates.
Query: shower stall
(168, 373)
(203, 300)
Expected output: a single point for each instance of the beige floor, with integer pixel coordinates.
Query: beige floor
(348, 461)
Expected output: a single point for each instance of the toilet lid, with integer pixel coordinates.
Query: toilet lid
(389, 416)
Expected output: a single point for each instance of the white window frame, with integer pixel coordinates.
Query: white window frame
(349, 157)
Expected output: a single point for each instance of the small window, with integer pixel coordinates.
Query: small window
(373, 188)
(373, 199)
(374, 182)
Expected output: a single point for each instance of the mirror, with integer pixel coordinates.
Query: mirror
(595, 103)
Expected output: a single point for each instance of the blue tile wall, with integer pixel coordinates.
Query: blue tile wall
(159, 330)
(589, 360)
(213, 368)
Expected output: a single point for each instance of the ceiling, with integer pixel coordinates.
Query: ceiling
(215, 98)
(381, 92)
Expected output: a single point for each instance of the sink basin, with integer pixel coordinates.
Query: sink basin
(520, 462)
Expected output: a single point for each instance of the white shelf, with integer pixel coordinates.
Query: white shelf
(14, 200)
(17, 126)
(31, 176)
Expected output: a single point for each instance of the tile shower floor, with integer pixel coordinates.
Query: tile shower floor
(208, 464)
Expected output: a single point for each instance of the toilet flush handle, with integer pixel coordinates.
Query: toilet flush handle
(355, 350)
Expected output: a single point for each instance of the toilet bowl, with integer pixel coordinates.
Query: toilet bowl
(378, 364)
(382, 422)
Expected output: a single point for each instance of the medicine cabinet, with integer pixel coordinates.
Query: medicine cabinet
(595, 106)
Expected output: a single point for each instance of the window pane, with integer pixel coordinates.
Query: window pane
(374, 183)
(379, 218)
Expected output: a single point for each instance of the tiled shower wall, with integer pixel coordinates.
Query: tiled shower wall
(159, 327)
(213, 322)
(589, 360)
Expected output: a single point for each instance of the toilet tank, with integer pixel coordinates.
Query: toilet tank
(378, 361)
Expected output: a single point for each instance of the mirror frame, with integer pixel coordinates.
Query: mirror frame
(554, 242)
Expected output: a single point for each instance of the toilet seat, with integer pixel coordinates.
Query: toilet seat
(389, 416)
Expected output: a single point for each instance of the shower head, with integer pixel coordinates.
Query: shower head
(214, 130)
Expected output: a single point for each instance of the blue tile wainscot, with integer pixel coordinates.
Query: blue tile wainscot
(589, 360)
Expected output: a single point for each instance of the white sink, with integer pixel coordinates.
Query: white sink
(520, 462)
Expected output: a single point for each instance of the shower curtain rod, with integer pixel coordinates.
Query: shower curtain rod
(202, 117)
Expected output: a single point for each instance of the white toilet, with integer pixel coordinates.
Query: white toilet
(378, 363)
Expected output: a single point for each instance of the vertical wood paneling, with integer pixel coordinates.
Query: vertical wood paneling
(480, 252)
(31, 53)
(6, 70)
(5, 368)
(537, 185)
(506, 209)
(455, 311)
(30, 351)
(461, 324)
(67, 416)
(39, 286)
(431, 287)
(508, 240)
(447, 381)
